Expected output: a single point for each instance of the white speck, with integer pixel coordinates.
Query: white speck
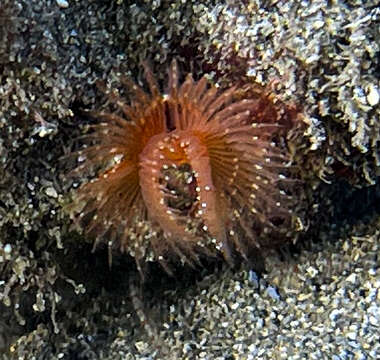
(235, 306)
(117, 158)
(253, 278)
(352, 278)
(372, 271)
(373, 320)
(312, 59)
(335, 314)
(7, 248)
(373, 95)
(312, 271)
(272, 292)
(318, 24)
(62, 4)
(50, 191)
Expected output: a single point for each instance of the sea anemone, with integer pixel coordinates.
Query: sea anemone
(194, 171)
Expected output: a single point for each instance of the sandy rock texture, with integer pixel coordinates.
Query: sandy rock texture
(316, 299)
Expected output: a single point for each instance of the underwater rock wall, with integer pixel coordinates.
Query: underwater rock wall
(58, 300)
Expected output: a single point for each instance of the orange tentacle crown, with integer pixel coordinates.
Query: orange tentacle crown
(193, 171)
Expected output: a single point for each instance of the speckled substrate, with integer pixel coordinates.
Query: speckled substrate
(323, 304)
(59, 301)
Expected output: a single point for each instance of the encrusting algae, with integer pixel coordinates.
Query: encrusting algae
(194, 171)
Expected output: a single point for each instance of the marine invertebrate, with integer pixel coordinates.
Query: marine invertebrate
(193, 171)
